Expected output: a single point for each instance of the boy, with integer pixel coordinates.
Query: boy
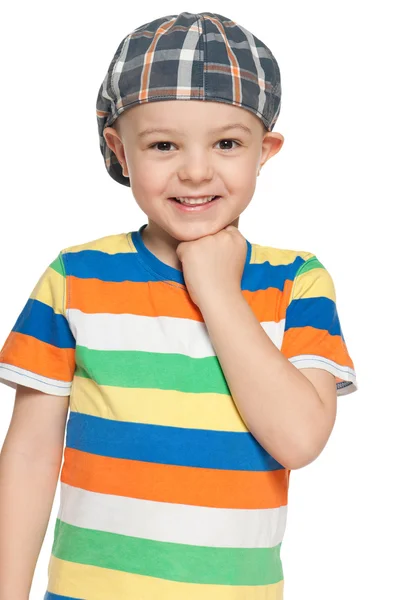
(199, 368)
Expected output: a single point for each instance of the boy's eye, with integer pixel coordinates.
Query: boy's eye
(170, 143)
(159, 144)
(228, 140)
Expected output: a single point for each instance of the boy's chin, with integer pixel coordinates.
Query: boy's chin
(193, 231)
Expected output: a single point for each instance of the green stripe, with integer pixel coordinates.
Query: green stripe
(309, 265)
(175, 562)
(133, 368)
(58, 266)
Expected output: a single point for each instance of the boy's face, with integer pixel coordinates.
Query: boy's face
(192, 160)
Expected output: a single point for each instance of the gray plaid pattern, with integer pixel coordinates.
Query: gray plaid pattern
(202, 56)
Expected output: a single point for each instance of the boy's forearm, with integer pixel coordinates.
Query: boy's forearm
(27, 490)
(279, 405)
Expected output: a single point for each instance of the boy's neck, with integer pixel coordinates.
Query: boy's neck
(162, 245)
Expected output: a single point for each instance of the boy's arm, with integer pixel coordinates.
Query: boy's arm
(279, 405)
(30, 463)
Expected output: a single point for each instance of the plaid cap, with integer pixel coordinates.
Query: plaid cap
(202, 56)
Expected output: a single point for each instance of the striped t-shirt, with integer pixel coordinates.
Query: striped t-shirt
(164, 492)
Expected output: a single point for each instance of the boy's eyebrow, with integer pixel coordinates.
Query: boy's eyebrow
(150, 130)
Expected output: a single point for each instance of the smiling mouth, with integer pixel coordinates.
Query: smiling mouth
(195, 203)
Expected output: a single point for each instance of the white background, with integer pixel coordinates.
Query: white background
(332, 190)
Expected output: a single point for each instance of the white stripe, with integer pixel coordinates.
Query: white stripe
(306, 361)
(186, 57)
(11, 375)
(106, 331)
(260, 70)
(176, 523)
(117, 70)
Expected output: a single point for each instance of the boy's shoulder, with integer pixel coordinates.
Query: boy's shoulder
(110, 244)
(262, 253)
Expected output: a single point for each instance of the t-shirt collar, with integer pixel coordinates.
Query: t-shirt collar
(159, 267)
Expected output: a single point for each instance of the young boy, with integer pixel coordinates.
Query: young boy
(199, 368)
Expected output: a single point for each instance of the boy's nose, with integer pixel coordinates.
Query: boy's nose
(197, 169)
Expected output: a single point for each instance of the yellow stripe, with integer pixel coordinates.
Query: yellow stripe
(85, 581)
(111, 244)
(313, 284)
(277, 256)
(159, 407)
(50, 290)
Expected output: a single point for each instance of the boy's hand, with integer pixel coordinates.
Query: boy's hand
(213, 264)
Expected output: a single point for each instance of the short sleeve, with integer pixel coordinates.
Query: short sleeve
(313, 336)
(39, 351)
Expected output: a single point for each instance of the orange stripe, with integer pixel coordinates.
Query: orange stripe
(148, 59)
(305, 340)
(130, 297)
(234, 63)
(40, 357)
(175, 484)
(268, 305)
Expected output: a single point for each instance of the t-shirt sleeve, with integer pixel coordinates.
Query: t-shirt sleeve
(313, 336)
(39, 351)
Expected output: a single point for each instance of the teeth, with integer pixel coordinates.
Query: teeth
(195, 200)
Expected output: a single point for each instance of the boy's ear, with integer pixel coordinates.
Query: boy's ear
(115, 144)
(271, 144)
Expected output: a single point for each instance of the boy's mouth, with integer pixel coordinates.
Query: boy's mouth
(194, 201)
(194, 207)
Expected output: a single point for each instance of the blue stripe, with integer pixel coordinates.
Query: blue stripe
(320, 313)
(94, 264)
(51, 596)
(127, 266)
(262, 276)
(186, 447)
(40, 321)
